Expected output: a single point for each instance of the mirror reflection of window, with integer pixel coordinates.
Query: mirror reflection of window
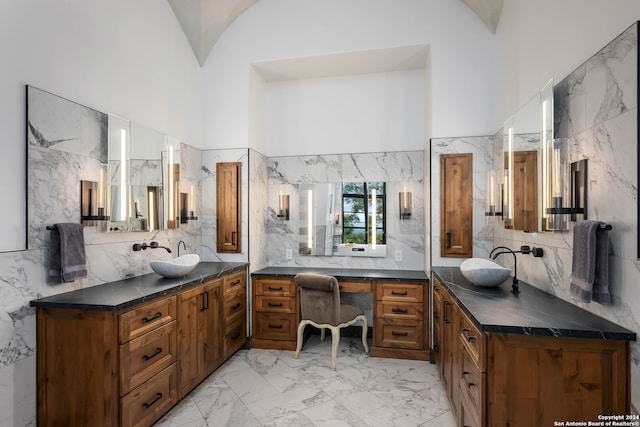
(358, 211)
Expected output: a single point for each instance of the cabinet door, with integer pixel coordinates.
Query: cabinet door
(210, 328)
(190, 304)
(228, 206)
(449, 348)
(456, 200)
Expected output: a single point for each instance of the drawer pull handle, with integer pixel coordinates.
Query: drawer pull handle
(152, 355)
(399, 334)
(400, 310)
(148, 405)
(436, 348)
(235, 282)
(465, 376)
(235, 336)
(272, 304)
(275, 289)
(436, 315)
(236, 306)
(446, 317)
(399, 293)
(467, 336)
(436, 288)
(275, 326)
(149, 319)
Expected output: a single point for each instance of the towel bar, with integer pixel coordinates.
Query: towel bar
(52, 227)
(605, 227)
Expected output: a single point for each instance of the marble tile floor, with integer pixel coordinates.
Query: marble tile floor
(270, 388)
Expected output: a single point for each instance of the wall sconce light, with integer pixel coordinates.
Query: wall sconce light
(283, 207)
(404, 199)
(564, 195)
(93, 197)
(492, 188)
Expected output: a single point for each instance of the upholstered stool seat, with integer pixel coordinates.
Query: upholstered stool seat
(320, 307)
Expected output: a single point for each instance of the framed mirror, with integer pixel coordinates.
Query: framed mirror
(343, 219)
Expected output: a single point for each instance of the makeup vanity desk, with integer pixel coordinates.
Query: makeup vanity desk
(400, 308)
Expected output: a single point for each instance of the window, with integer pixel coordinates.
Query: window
(357, 212)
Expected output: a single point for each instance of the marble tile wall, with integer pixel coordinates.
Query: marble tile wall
(596, 109)
(258, 211)
(482, 149)
(395, 168)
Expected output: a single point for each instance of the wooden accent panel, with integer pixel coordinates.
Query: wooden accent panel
(456, 205)
(73, 345)
(228, 207)
(525, 190)
(146, 404)
(144, 357)
(146, 318)
(537, 380)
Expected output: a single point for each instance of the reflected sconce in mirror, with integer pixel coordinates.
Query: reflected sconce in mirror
(564, 194)
(153, 202)
(93, 199)
(493, 189)
(283, 207)
(404, 199)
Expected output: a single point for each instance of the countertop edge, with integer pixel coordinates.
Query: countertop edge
(190, 280)
(539, 331)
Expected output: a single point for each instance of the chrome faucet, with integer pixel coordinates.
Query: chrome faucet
(184, 245)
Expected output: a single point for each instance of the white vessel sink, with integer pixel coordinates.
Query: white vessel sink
(176, 267)
(483, 272)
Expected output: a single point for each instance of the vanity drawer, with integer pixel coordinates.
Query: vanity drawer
(275, 326)
(143, 319)
(400, 292)
(145, 356)
(235, 282)
(471, 378)
(275, 287)
(473, 339)
(234, 337)
(399, 310)
(275, 304)
(235, 306)
(396, 333)
(147, 403)
(468, 416)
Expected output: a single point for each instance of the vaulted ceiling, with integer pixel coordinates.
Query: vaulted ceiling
(204, 21)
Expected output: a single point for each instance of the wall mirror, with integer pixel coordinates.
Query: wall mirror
(523, 174)
(342, 219)
(119, 175)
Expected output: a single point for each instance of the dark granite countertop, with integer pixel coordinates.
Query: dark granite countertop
(346, 273)
(114, 296)
(532, 312)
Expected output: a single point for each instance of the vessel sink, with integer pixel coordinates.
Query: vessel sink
(483, 272)
(176, 267)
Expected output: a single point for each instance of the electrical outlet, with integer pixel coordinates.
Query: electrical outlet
(288, 254)
(398, 255)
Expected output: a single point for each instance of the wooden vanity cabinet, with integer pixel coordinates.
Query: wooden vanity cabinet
(497, 379)
(456, 205)
(128, 368)
(276, 313)
(234, 313)
(199, 335)
(228, 212)
(400, 328)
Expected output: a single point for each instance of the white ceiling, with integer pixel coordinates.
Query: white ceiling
(204, 21)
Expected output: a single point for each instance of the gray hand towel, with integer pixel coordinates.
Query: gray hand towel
(67, 259)
(590, 259)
